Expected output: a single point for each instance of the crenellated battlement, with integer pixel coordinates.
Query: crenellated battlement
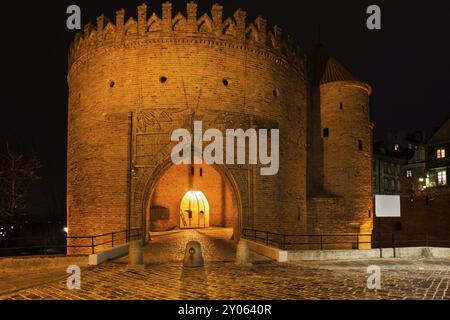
(150, 26)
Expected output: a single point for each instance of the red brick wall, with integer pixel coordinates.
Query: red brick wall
(420, 220)
(340, 173)
(116, 69)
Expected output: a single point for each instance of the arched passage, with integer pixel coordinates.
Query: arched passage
(194, 210)
(164, 202)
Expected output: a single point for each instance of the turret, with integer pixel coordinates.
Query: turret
(340, 136)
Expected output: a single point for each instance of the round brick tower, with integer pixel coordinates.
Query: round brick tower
(342, 147)
(132, 82)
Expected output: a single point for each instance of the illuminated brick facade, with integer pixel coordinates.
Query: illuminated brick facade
(132, 82)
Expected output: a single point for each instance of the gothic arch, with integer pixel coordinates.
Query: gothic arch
(148, 179)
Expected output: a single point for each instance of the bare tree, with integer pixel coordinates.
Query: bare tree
(17, 171)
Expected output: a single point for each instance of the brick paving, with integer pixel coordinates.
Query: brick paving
(216, 246)
(164, 278)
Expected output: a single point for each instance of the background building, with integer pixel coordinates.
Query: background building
(438, 156)
(387, 170)
(414, 170)
(399, 162)
(425, 196)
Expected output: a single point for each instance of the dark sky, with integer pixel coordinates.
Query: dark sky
(407, 62)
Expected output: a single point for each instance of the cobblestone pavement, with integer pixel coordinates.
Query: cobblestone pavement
(164, 278)
(216, 246)
(11, 281)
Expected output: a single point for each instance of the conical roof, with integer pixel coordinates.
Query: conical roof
(324, 68)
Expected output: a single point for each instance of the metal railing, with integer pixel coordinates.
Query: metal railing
(110, 239)
(398, 240)
(90, 243)
(329, 241)
(308, 241)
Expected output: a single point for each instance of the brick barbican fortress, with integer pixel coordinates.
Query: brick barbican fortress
(131, 83)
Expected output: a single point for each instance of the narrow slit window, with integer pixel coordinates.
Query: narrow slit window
(360, 145)
(326, 132)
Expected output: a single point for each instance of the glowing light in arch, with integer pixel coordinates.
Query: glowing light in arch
(194, 210)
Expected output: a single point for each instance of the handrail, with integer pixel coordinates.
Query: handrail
(115, 239)
(93, 245)
(285, 240)
(309, 235)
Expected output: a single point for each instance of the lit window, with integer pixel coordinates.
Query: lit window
(397, 146)
(409, 174)
(442, 178)
(440, 153)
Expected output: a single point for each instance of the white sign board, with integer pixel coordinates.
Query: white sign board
(387, 206)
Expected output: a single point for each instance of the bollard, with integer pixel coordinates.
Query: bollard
(243, 254)
(193, 256)
(135, 254)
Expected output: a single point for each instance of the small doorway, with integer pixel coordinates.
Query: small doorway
(194, 210)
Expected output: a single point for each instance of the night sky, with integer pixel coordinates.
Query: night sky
(407, 63)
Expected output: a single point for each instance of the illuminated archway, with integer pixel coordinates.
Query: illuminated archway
(194, 210)
(212, 189)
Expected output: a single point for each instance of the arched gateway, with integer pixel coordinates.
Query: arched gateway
(169, 192)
